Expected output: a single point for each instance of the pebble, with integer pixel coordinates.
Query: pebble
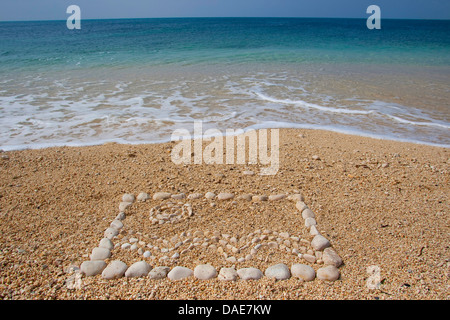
(92, 268)
(310, 222)
(117, 224)
(247, 197)
(195, 196)
(126, 246)
(179, 273)
(248, 173)
(116, 269)
(123, 206)
(272, 245)
(159, 272)
(161, 196)
(210, 195)
(313, 231)
(147, 254)
(329, 273)
(279, 272)
(330, 257)
(127, 197)
(133, 240)
(228, 274)
(106, 243)
(178, 196)
(296, 197)
(308, 213)
(138, 269)
(143, 196)
(300, 205)
(176, 255)
(284, 235)
(225, 196)
(320, 242)
(120, 216)
(309, 257)
(250, 274)
(100, 254)
(259, 198)
(303, 271)
(231, 259)
(205, 272)
(111, 233)
(276, 197)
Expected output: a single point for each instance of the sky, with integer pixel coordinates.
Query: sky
(12, 10)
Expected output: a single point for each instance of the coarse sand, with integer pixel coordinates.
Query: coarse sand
(380, 203)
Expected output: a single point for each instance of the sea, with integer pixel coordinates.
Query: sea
(138, 80)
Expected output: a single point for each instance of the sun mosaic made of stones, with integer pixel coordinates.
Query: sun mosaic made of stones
(233, 250)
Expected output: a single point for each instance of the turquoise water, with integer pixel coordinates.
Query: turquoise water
(138, 80)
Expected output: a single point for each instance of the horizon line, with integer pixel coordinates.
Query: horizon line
(231, 17)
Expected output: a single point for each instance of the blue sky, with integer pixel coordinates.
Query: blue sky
(103, 9)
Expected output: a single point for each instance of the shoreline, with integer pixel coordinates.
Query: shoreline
(368, 195)
(355, 133)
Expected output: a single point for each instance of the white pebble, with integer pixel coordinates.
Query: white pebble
(127, 197)
(330, 257)
(100, 253)
(296, 197)
(329, 273)
(225, 196)
(178, 196)
(313, 231)
(227, 274)
(111, 233)
(138, 269)
(310, 222)
(210, 195)
(92, 268)
(120, 216)
(308, 213)
(320, 242)
(176, 255)
(116, 269)
(179, 273)
(106, 243)
(309, 257)
(116, 224)
(276, 197)
(143, 196)
(158, 273)
(250, 274)
(279, 272)
(161, 195)
(126, 246)
(195, 196)
(303, 271)
(123, 206)
(205, 272)
(300, 205)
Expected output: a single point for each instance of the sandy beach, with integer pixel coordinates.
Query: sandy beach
(380, 203)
